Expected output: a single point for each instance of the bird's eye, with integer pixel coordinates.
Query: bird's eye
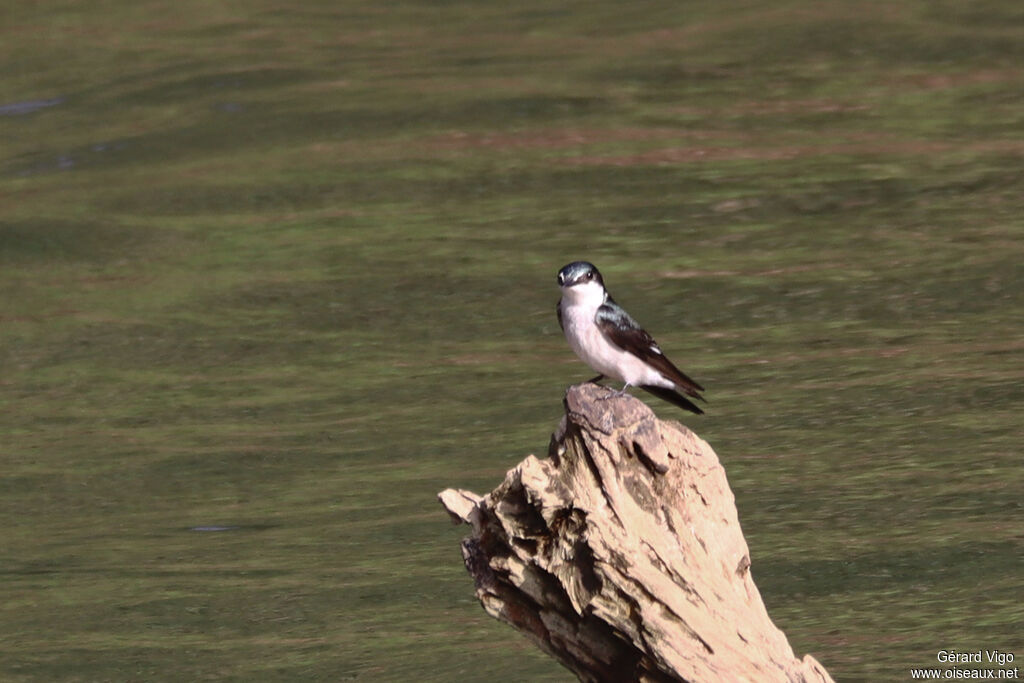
(589, 276)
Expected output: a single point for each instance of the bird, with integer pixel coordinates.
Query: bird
(613, 344)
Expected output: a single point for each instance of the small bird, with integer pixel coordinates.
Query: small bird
(607, 339)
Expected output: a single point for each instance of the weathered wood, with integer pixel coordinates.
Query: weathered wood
(621, 555)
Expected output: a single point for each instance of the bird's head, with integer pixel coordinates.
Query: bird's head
(580, 281)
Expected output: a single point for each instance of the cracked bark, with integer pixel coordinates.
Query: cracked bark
(621, 555)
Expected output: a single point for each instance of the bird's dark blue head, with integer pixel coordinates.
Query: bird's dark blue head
(579, 272)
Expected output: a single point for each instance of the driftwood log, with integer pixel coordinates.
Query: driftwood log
(621, 555)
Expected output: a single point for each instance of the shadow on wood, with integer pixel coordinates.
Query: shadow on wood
(621, 555)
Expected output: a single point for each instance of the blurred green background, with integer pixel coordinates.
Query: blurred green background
(289, 270)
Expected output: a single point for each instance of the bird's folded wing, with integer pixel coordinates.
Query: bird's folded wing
(624, 332)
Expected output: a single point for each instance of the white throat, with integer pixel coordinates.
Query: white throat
(588, 295)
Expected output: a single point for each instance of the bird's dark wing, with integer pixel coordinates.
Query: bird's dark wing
(627, 334)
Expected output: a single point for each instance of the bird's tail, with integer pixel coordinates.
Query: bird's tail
(673, 397)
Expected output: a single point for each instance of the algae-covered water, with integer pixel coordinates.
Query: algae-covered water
(272, 276)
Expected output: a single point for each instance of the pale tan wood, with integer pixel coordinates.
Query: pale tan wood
(621, 554)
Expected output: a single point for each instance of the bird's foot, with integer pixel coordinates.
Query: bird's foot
(614, 394)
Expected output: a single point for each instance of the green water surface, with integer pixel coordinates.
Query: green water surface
(272, 275)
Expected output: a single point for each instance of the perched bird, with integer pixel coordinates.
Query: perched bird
(607, 339)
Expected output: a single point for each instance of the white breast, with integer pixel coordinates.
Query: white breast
(593, 348)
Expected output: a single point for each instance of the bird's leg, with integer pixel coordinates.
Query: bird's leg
(595, 380)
